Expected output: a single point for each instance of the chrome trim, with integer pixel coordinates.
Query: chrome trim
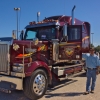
(23, 62)
(58, 72)
(68, 66)
(22, 78)
(17, 74)
(4, 61)
(17, 68)
(39, 84)
(55, 49)
(7, 42)
(73, 15)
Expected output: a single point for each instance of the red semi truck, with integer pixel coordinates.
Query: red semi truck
(49, 49)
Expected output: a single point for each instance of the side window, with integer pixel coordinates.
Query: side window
(74, 34)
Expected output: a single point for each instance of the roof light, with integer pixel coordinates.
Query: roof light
(34, 22)
(44, 21)
(31, 23)
(56, 20)
(39, 22)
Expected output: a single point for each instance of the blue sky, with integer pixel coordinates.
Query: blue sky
(86, 10)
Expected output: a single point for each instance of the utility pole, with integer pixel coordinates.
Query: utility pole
(17, 9)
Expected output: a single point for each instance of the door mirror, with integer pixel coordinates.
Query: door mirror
(65, 37)
(13, 34)
(65, 30)
(22, 35)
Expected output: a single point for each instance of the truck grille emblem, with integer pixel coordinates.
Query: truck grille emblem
(15, 47)
(69, 51)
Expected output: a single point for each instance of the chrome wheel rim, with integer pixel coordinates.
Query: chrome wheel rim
(39, 84)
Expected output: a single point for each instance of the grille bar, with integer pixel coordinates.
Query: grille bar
(3, 58)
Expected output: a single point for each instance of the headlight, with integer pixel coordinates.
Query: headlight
(17, 68)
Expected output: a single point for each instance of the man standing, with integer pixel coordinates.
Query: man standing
(92, 64)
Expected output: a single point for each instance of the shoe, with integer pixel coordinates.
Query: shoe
(85, 93)
(92, 91)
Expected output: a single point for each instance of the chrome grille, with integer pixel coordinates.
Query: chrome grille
(4, 50)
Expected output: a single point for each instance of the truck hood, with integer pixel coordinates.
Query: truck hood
(29, 48)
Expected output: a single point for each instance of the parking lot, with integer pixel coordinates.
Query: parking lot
(69, 89)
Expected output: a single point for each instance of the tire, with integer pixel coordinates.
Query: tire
(37, 81)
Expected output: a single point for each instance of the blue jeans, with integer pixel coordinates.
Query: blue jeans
(91, 79)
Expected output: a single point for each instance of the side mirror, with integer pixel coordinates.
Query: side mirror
(22, 35)
(65, 30)
(13, 34)
(65, 37)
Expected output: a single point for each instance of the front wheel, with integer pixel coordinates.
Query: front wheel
(35, 86)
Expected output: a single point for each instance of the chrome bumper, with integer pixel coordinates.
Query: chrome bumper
(16, 81)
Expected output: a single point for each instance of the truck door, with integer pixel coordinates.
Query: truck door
(71, 49)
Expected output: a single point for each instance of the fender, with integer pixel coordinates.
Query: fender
(40, 57)
(35, 65)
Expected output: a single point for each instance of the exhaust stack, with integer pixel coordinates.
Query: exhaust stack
(73, 14)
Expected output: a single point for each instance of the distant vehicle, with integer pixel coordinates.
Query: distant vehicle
(49, 49)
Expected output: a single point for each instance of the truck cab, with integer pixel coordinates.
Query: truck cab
(59, 28)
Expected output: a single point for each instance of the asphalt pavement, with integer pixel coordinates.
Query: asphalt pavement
(69, 89)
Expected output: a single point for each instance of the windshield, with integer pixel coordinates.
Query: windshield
(43, 33)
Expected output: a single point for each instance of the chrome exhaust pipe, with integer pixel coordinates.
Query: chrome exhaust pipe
(73, 14)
